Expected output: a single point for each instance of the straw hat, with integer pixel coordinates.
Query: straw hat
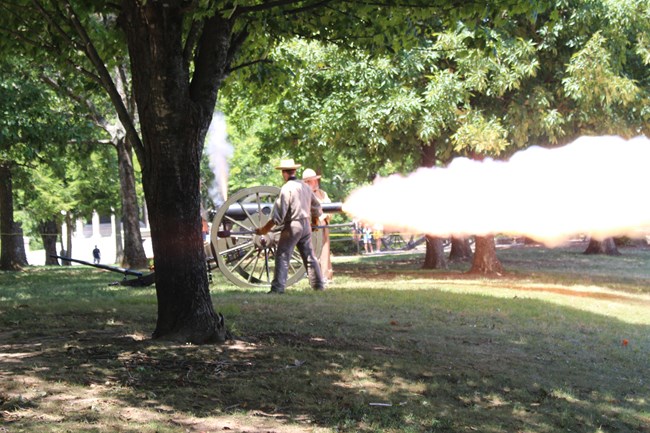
(309, 174)
(287, 164)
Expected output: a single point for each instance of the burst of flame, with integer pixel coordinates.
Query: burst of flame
(593, 186)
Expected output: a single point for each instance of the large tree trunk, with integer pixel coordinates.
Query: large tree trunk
(134, 255)
(119, 244)
(174, 118)
(461, 249)
(21, 254)
(434, 257)
(49, 233)
(606, 246)
(435, 254)
(485, 260)
(12, 250)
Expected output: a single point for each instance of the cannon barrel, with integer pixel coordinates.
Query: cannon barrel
(335, 207)
(241, 211)
(100, 266)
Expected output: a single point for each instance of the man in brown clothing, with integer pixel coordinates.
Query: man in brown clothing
(295, 208)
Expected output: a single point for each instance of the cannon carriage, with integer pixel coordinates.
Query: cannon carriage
(243, 257)
(247, 259)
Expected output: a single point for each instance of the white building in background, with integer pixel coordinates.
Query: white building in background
(100, 231)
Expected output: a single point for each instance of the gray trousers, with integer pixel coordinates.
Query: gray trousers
(296, 234)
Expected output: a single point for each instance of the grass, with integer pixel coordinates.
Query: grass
(390, 348)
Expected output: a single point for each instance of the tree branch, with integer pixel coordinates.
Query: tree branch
(247, 64)
(190, 42)
(236, 41)
(211, 59)
(106, 79)
(52, 50)
(93, 113)
(44, 13)
(243, 10)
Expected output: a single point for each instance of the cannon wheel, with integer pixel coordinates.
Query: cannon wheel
(244, 258)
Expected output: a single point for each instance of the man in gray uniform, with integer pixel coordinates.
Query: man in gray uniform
(294, 209)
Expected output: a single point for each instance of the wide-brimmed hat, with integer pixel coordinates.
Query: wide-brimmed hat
(309, 174)
(287, 164)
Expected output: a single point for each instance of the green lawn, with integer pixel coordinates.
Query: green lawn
(558, 344)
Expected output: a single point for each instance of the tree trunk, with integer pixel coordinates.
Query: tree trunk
(134, 255)
(21, 254)
(607, 246)
(434, 257)
(67, 250)
(485, 257)
(49, 234)
(435, 253)
(119, 244)
(461, 249)
(174, 118)
(11, 236)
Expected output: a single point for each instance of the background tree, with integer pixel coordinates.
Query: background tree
(35, 133)
(594, 77)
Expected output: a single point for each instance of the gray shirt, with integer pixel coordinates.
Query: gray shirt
(295, 202)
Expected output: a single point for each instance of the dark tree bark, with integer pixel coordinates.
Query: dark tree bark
(21, 254)
(606, 246)
(49, 234)
(67, 251)
(134, 255)
(119, 245)
(461, 249)
(174, 116)
(12, 250)
(485, 260)
(434, 257)
(435, 254)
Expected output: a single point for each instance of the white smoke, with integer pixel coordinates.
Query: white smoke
(219, 151)
(593, 186)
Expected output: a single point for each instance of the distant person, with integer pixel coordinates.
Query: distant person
(366, 235)
(96, 255)
(357, 230)
(295, 208)
(377, 234)
(205, 229)
(310, 177)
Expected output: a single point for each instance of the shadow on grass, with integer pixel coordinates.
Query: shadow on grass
(344, 360)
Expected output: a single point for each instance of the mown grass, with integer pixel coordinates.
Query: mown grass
(559, 343)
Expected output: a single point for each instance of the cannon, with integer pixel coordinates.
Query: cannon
(243, 257)
(140, 279)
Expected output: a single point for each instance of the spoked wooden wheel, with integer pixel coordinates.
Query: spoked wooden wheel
(244, 258)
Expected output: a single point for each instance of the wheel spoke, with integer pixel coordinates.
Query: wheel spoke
(243, 258)
(235, 248)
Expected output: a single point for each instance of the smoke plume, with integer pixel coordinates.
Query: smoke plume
(219, 151)
(593, 186)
